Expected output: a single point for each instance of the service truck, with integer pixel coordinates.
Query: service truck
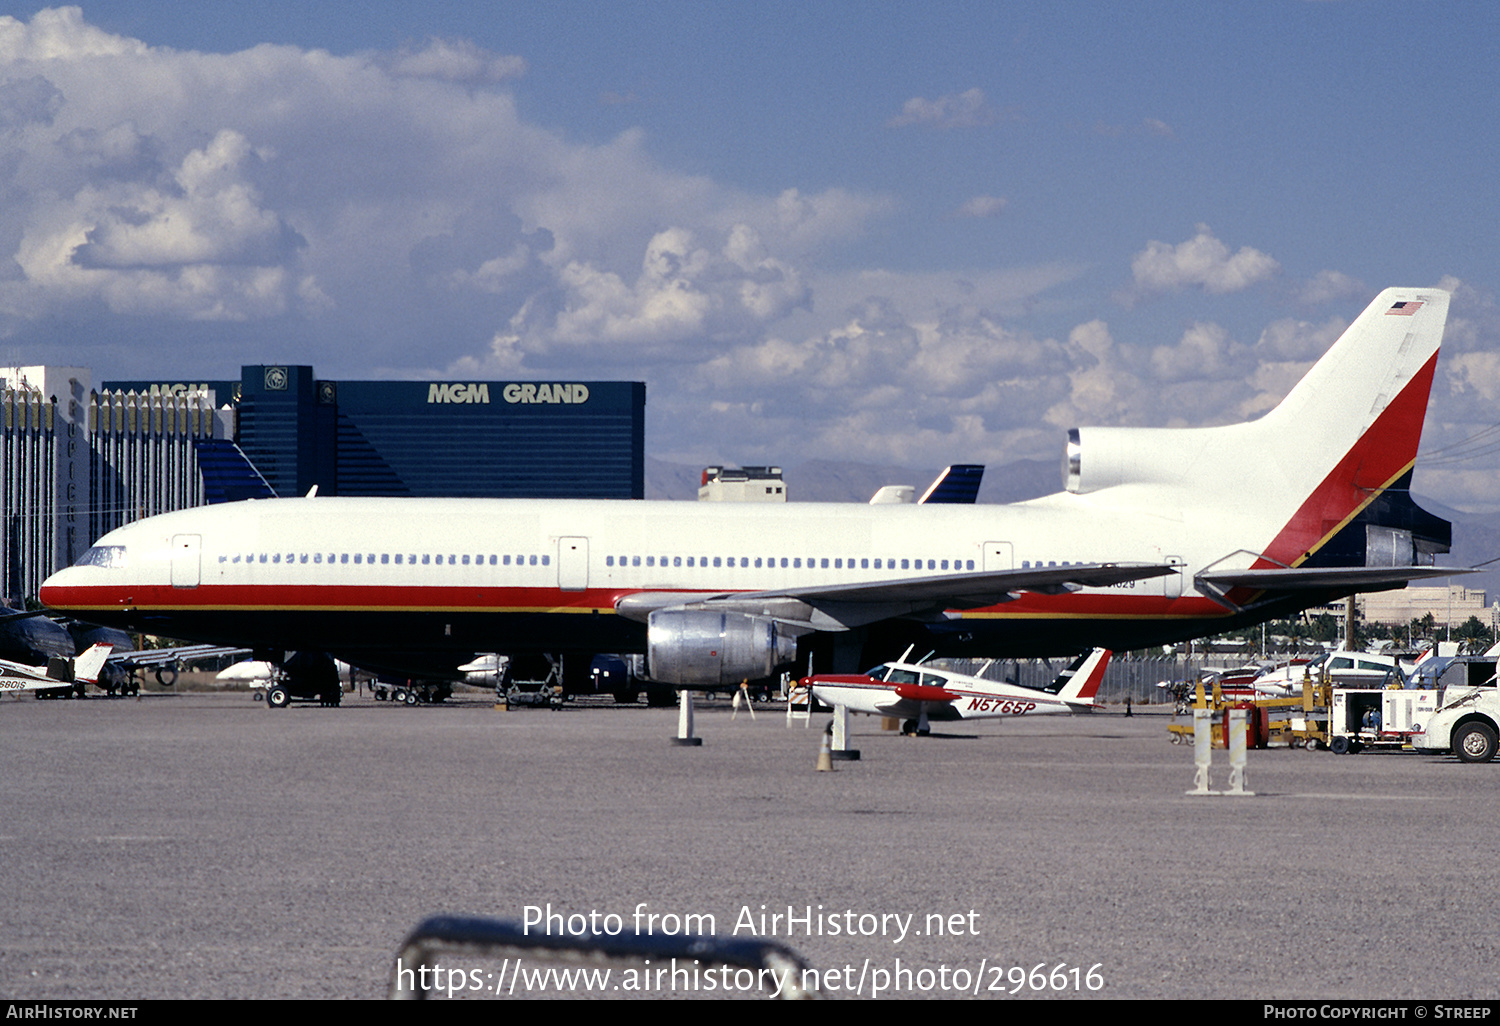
(1467, 723)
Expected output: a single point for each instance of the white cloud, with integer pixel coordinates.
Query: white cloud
(1205, 352)
(394, 214)
(59, 34)
(968, 109)
(1292, 339)
(457, 60)
(1201, 261)
(983, 206)
(1331, 287)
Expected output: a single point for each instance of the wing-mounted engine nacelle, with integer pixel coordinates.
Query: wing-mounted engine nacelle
(708, 648)
(1135, 455)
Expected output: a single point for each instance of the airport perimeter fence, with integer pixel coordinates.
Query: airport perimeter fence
(1136, 677)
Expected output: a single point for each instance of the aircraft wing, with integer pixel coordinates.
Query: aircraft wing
(844, 606)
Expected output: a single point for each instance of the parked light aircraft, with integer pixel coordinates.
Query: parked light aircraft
(918, 692)
(1161, 535)
(58, 673)
(1342, 668)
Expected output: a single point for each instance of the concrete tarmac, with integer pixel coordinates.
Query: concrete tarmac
(203, 846)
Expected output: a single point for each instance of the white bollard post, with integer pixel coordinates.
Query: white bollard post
(841, 749)
(685, 736)
(1203, 750)
(1237, 745)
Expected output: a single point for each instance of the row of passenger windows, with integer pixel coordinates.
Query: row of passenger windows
(791, 562)
(467, 559)
(384, 558)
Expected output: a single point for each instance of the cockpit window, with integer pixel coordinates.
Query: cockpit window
(109, 556)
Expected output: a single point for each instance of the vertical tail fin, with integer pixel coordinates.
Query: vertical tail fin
(1344, 435)
(1080, 681)
(1349, 430)
(957, 484)
(87, 666)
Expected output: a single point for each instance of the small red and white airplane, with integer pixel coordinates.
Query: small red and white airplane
(58, 673)
(917, 693)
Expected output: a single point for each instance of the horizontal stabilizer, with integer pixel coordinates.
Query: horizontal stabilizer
(1340, 580)
(1352, 578)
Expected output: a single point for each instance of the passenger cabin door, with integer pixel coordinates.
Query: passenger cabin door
(1172, 583)
(572, 564)
(185, 561)
(999, 555)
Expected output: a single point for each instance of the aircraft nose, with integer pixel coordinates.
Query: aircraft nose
(57, 591)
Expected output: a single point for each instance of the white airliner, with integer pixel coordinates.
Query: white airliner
(58, 673)
(1161, 534)
(917, 692)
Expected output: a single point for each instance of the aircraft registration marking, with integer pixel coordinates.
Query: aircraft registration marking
(1006, 706)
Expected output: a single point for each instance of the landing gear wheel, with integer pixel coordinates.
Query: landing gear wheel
(411, 698)
(1474, 742)
(278, 698)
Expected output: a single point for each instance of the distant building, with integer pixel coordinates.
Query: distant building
(470, 439)
(76, 462)
(1450, 606)
(742, 484)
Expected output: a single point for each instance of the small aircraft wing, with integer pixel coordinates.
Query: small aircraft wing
(924, 693)
(844, 606)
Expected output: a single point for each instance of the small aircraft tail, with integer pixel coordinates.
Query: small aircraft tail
(87, 666)
(1079, 683)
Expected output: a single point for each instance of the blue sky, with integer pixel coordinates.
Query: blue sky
(908, 233)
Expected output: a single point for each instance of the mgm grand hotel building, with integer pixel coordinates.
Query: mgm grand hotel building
(77, 461)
